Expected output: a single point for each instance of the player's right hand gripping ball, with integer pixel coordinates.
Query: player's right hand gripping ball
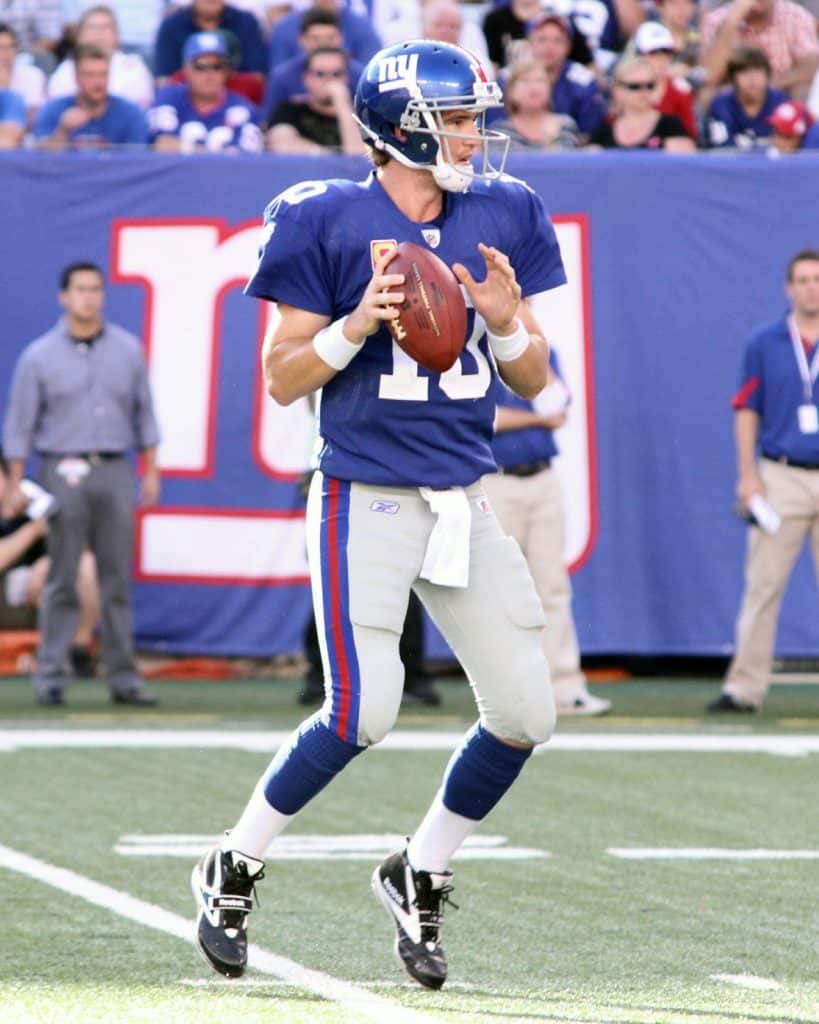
(431, 322)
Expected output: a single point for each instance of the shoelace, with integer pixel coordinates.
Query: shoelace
(237, 881)
(432, 915)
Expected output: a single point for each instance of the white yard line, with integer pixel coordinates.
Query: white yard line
(747, 981)
(786, 745)
(707, 853)
(367, 1004)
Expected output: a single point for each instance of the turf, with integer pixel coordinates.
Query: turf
(575, 936)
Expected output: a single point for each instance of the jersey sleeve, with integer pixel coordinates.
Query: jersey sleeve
(293, 265)
(533, 248)
(749, 394)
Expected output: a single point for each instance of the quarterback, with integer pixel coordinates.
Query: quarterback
(397, 503)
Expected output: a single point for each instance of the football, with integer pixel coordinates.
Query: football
(431, 321)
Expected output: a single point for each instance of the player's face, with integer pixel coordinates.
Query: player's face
(803, 288)
(462, 140)
(92, 80)
(83, 298)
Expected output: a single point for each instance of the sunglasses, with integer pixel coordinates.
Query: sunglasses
(199, 65)
(637, 86)
(328, 74)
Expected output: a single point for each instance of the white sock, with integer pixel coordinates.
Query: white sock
(439, 835)
(257, 827)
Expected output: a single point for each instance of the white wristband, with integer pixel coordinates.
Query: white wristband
(331, 345)
(510, 347)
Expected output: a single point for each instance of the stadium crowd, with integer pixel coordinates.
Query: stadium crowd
(210, 76)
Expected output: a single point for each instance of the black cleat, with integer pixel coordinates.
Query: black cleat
(222, 885)
(420, 692)
(725, 702)
(414, 900)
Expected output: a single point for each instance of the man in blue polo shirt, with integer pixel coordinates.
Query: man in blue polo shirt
(777, 418)
(92, 117)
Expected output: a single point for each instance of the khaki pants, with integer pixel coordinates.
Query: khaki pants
(531, 510)
(794, 493)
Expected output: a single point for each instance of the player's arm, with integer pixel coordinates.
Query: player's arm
(305, 350)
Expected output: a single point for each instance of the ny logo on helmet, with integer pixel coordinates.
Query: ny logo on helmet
(397, 72)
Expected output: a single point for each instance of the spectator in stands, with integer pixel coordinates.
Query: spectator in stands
(360, 39)
(24, 563)
(84, 463)
(782, 29)
(18, 73)
(738, 117)
(776, 430)
(439, 19)
(137, 22)
(201, 114)
(531, 124)
(793, 129)
(575, 91)
(319, 28)
(13, 119)
(128, 75)
(242, 30)
(92, 117)
(38, 25)
(637, 123)
(527, 498)
(506, 27)
(674, 95)
(682, 19)
(322, 122)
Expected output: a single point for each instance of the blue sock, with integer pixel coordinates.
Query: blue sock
(480, 772)
(312, 757)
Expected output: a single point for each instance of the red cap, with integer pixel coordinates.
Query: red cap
(790, 118)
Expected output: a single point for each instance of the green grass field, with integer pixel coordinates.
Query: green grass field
(103, 811)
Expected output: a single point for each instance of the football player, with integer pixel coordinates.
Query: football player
(397, 503)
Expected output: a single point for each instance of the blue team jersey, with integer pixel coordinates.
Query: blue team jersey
(729, 125)
(231, 126)
(384, 419)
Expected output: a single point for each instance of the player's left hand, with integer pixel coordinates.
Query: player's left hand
(497, 297)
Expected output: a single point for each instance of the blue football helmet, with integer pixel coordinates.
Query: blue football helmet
(409, 86)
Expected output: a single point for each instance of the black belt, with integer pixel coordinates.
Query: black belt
(527, 469)
(785, 461)
(90, 456)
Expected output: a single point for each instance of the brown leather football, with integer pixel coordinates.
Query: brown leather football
(431, 322)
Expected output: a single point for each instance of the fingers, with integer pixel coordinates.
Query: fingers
(463, 275)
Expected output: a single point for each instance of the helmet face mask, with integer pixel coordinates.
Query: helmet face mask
(410, 87)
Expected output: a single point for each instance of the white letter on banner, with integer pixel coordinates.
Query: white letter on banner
(565, 315)
(186, 268)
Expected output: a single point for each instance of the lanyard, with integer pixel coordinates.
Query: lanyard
(808, 374)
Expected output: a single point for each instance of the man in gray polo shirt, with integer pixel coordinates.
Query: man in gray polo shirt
(80, 399)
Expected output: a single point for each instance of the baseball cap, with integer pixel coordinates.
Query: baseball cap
(202, 43)
(651, 37)
(550, 16)
(790, 118)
